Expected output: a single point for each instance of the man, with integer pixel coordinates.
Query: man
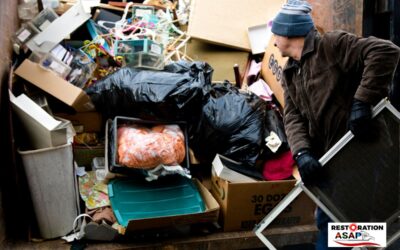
(330, 84)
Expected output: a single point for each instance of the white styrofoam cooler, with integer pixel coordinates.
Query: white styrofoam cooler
(50, 176)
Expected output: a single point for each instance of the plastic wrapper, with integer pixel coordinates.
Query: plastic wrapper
(143, 147)
(147, 148)
(175, 93)
(231, 125)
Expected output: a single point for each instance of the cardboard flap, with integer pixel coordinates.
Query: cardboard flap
(272, 70)
(51, 83)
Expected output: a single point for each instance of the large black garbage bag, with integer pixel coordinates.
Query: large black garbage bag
(231, 125)
(175, 93)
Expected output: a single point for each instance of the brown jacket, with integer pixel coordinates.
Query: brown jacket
(319, 89)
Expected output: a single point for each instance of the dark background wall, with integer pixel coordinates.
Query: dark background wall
(382, 19)
(8, 24)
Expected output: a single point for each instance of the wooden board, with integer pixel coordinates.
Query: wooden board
(346, 15)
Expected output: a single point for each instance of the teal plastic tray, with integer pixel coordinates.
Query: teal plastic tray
(135, 199)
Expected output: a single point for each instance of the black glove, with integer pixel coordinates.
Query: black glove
(309, 167)
(360, 119)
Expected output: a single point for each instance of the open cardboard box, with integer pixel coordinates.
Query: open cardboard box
(209, 215)
(243, 205)
(53, 84)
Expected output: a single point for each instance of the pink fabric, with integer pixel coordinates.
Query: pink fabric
(261, 89)
(279, 168)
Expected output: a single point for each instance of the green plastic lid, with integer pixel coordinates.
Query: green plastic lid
(135, 199)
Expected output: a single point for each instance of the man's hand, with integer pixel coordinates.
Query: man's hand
(360, 119)
(309, 167)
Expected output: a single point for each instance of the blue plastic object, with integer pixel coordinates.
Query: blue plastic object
(135, 199)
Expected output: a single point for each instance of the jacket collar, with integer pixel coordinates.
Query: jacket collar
(309, 43)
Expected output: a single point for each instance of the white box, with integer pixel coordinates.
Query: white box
(220, 166)
(42, 129)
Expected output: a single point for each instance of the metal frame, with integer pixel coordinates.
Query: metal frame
(300, 187)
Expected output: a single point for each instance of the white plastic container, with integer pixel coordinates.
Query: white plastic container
(50, 176)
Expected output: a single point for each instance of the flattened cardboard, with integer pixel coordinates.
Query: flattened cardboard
(51, 83)
(221, 59)
(272, 69)
(243, 205)
(226, 22)
(209, 215)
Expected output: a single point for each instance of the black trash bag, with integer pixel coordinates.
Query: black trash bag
(274, 129)
(175, 93)
(231, 125)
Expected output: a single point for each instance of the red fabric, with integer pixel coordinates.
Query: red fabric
(142, 147)
(279, 168)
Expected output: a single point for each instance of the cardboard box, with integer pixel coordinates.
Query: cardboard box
(272, 69)
(243, 205)
(209, 215)
(226, 22)
(51, 83)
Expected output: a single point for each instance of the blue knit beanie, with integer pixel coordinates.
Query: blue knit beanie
(293, 19)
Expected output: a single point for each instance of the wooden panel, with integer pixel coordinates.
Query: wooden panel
(338, 14)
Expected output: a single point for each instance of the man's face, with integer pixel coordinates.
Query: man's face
(282, 43)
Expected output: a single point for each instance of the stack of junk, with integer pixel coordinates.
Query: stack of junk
(143, 116)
